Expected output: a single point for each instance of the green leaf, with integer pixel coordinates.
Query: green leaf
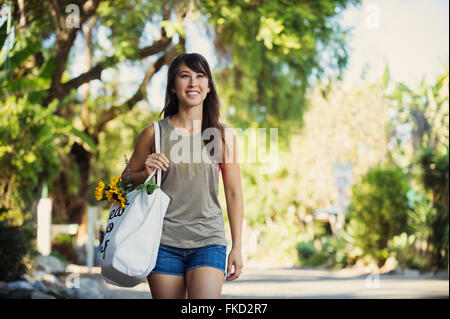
(47, 69)
(3, 34)
(173, 27)
(86, 139)
(20, 56)
(149, 187)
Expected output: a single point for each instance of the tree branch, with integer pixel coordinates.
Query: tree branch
(65, 37)
(96, 71)
(140, 94)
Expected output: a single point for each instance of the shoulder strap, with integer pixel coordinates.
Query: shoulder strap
(157, 150)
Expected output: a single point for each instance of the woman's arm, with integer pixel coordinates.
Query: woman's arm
(231, 176)
(144, 158)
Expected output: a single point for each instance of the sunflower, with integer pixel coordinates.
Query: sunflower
(99, 191)
(115, 197)
(114, 182)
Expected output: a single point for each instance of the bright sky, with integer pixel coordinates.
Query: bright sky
(412, 36)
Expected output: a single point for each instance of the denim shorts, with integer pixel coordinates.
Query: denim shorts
(178, 261)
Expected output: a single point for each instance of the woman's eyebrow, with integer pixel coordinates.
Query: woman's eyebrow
(188, 72)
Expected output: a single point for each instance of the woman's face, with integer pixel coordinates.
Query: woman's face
(191, 87)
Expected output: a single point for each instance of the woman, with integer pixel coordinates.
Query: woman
(192, 255)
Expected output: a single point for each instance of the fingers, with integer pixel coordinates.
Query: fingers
(162, 157)
(234, 275)
(158, 161)
(229, 269)
(237, 270)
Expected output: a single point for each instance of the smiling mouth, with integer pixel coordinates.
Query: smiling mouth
(193, 93)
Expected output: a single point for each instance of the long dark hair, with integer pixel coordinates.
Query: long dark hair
(211, 106)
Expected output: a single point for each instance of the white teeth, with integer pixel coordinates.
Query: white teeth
(192, 93)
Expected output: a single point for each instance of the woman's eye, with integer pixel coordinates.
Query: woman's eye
(186, 75)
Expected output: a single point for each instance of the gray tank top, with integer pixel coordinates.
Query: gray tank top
(194, 216)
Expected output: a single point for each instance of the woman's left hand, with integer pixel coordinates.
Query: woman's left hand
(234, 259)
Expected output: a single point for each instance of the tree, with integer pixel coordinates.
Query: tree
(270, 52)
(425, 111)
(350, 126)
(378, 211)
(50, 65)
(280, 40)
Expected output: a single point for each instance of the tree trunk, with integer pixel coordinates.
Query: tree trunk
(72, 207)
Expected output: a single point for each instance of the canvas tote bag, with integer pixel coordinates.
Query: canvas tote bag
(133, 234)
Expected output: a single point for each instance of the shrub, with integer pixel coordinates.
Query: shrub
(329, 250)
(63, 248)
(16, 248)
(378, 211)
(405, 252)
(434, 167)
(305, 250)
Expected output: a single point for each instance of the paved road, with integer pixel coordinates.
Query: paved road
(313, 284)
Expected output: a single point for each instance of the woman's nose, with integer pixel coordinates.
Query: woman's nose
(192, 81)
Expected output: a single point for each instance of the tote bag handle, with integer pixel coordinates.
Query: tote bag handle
(157, 148)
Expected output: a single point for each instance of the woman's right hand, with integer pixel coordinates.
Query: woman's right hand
(156, 160)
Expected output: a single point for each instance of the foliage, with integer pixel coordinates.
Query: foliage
(29, 150)
(148, 187)
(404, 249)
(46, 51)
(63, 239)
(330, 251)
(16, 247)
(411, 248)
(29, 156)
(274, 49)
(116, 192)
(126, 22)
(302, 178)
(269, 54)
(378, 210)
(434, 216)
(424, 112)
(305, 250)
(64, 249)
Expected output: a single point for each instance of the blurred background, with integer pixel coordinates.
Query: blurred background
(358, 91)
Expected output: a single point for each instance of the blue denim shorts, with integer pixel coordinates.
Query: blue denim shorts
(178, 261)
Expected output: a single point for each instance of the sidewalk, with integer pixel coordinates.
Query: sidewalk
(310, 284)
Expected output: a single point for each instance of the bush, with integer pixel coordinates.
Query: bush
(378, 211)
(405, 252)
(329, 250)
(434, 167)
(63, 248)
(305, 250)
(16, 248)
